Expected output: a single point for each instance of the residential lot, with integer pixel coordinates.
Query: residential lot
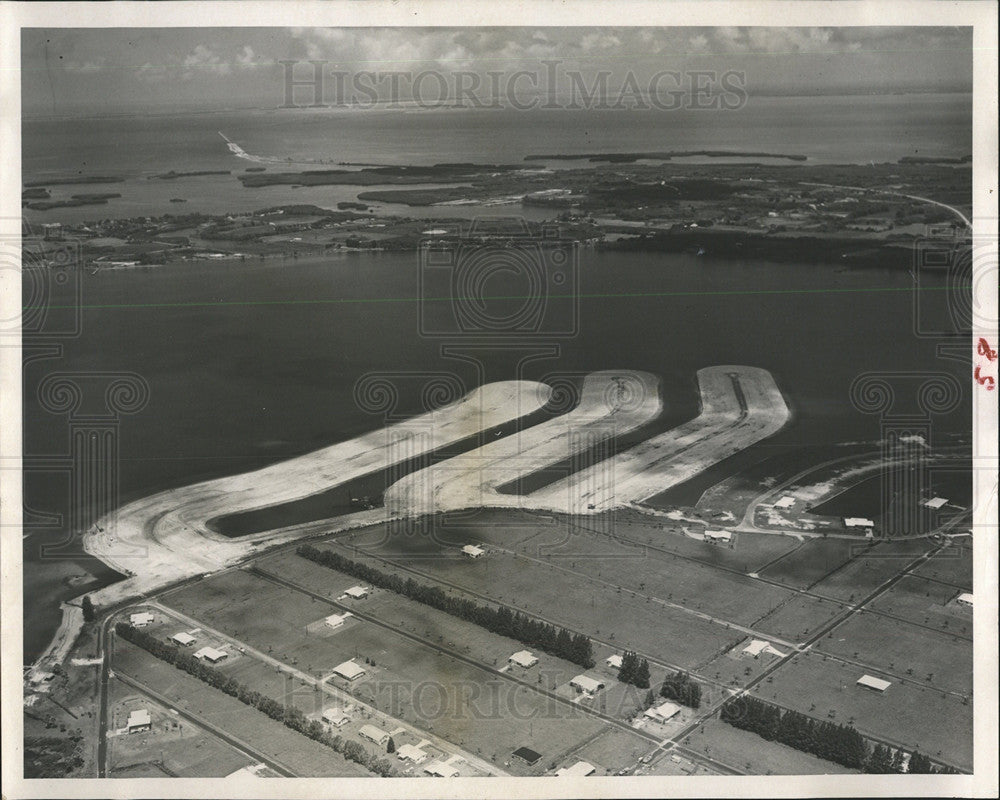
(611, 751)
(798, 618)
(417, 683)
(588, 605)
(926, 602)
(810, 562)
(939, 725)
(871, 569)
(173, 747)
(301, 755)
(904, 649)
(750, 753)
(952, 565)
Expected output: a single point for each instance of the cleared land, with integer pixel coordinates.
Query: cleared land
(611, 751)
(926, 602)
(799, 617)
(583, 603)
(611, 404)
(871, 568)
(811, 561)
(904, 649)
(740, 406)
(905, 715)
(414, 682)
(952, 565)
(750, 753)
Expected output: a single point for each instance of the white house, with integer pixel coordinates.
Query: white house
(935, 502)
(373, 734)
(357, 592)
(785, 502)
(718, 536)
(211, 655)
(349, 671)
(439, 769)
(141, 619)
(580, 769)
(588, 686)
(871, 682)
(758, 646)
(183, 639)
(473, 551)
(523, 658)
(335, 717)
(139, 721)
(663, 712)
(858, 522)
(409, 752)
(336, 620)
(965, 599)
(615, 661)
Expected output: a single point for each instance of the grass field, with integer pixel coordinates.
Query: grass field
(952, 565)
(905, 715)
(798, 618)
(870, 570)
(173, 747)
(579, 603)
(611, 751)
(899, 647)
(810, 562)
(734, 669)
(303, 756)
(417, 683)
(926, 602)
(753, 755)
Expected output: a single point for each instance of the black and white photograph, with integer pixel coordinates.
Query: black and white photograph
(567, 400)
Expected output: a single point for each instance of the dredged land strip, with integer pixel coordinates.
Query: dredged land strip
(739, 406)
(165, 538)
(611, 403)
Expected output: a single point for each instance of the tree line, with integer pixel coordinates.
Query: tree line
(502, 620)
(678, 686)
(841, 744)
(634, 670)
(290, 716)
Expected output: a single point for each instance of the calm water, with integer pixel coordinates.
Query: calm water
(856, 129)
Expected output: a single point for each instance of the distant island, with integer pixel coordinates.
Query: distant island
(628, 158)
(75, 179)
(75, 200)
(935, 160)
(167, 176)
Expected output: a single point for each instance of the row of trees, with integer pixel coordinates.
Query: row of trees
(679, 687)
(841, 744)
(634, 670)
(290, 716)
(502, 620)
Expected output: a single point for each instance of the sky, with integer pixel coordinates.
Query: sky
(117, 70)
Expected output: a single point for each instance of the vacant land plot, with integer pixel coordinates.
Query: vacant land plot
(580, 603)
(611, 751)
(810, 562)
(926, 602)
(735, 669)
(417, 683)
(939, 725)
(902, 648)
(301, 755)
(750, 753)
(800, 617)
(867, 572)
(173, 746)
(952, 565)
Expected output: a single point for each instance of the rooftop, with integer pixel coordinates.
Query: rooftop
(349, 670)
(183, 638)
(357, 592)
(139, 717)
(524, 658)
(527, 754)
(579, 769)
(874, 683)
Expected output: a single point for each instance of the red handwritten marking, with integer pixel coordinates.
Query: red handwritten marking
(984, 350)
(983, 380)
